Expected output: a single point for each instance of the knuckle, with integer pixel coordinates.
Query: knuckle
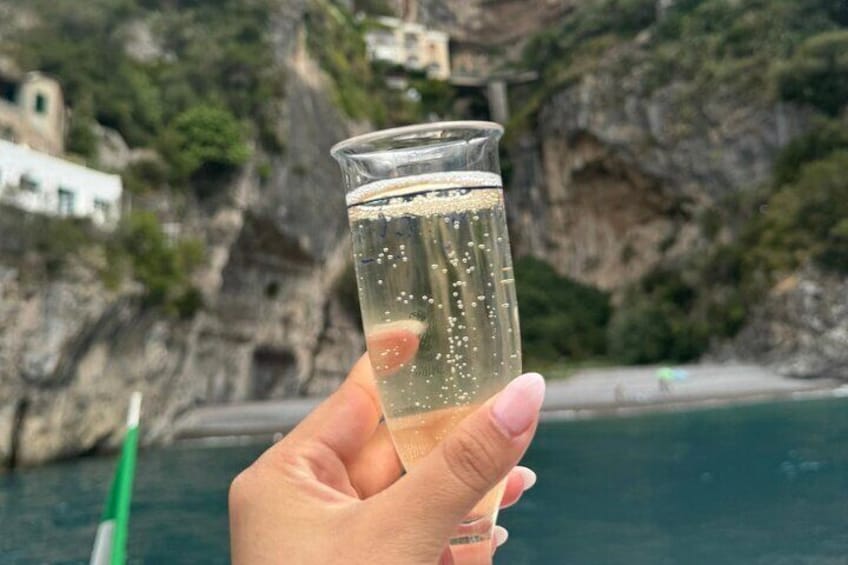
(472, 459)
(241, 487)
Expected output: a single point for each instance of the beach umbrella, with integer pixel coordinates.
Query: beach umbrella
(665, 374)
(110, 543)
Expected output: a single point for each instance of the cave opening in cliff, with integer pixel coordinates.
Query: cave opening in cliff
(273, 371)
(471, 103)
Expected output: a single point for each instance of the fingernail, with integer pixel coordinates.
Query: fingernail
(517, 406)
(501, 535)
(528, 477)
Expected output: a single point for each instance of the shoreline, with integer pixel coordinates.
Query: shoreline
(589, 393)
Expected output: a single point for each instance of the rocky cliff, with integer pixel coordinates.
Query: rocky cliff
(609, 178)
(615, 168)
(612, 178)
(71, 350)
(503, 25)
(632, 162)
(800, 328)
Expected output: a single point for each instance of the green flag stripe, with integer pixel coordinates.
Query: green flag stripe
(122, 489)
(111, 539)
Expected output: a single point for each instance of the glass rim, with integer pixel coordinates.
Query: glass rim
(342, 147)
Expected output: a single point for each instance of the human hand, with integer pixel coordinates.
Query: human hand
(331, 491)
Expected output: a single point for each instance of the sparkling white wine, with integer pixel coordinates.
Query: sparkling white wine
(438, 301)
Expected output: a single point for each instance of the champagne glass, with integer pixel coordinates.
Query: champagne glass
(435, 281)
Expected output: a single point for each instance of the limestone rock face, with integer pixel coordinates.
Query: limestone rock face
(607, 183)
(71, 351)
(801, 328)
(612, 179)
(501, 23)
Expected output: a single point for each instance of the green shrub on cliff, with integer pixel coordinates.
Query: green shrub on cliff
(58, 239)
(658, 320)
(564, 51)
(204, 139)
(674, 313)
(145, 175)
(162, 266)
(805, 220)
(758, 47)
(559, 317)
(216, 54)
(335, 39)
(818, 73)
(823, 140)
(373, 7)
(640, 333)
(81, 139)
(622, 18)
(763, 51)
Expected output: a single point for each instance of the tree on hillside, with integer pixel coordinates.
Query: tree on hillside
(806, 219)
(560, 317)
(818, 73)
(204, 140)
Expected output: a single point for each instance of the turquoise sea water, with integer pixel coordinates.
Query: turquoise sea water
(761, 485)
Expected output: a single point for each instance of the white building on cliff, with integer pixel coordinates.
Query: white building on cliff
(410, 45)
(41, 183)
(32, 109)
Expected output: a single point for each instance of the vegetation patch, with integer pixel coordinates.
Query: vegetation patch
(144, 252)
(560, 318)
(764, 48)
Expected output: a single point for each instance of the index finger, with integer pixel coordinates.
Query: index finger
(348, 418)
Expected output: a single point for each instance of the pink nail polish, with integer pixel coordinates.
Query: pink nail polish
(528, 477)
(501, 535)
(517, 405)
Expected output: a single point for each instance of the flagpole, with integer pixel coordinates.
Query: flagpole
(111, 540)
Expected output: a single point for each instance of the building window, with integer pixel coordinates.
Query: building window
(101, 210)
(8, 133)
(28, 183)
(384, 38)
(66, 202)
(8, 91)
(40, 103)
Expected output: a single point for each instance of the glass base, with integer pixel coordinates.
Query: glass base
(478, 527)
(472, 543)
(473, 531)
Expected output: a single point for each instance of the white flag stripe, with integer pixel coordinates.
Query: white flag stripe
(135, 410)
(101, 554)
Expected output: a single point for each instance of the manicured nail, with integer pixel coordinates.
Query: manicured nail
(528, 477)
(501, 535)
(517, 406)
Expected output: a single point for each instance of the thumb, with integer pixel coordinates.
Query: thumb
(443, 487)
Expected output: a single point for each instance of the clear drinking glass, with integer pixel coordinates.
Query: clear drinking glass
(435, 280)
